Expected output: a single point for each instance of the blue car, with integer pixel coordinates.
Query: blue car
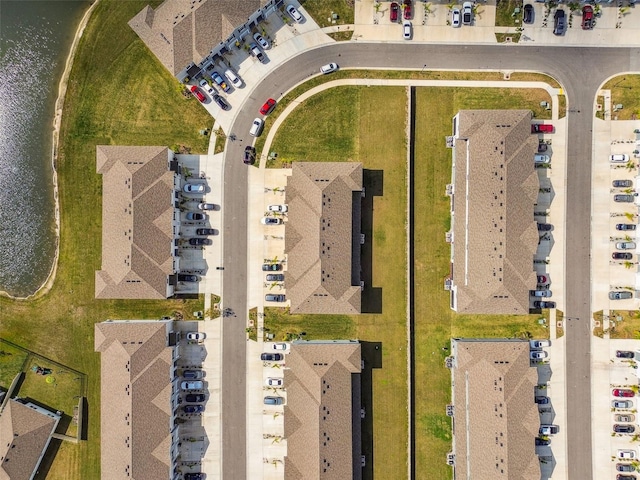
(193, 408)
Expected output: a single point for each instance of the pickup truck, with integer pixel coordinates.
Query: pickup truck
(587, 17)
(541, 128)
(215, 76)
(548, 429)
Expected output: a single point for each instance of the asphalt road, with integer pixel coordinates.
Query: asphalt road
(580, 71)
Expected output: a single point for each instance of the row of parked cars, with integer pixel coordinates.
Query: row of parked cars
(276, 356)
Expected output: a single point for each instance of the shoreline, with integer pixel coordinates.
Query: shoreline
(46, 286)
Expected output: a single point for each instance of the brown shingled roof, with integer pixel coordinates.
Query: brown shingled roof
(496, 418)
(495, 235)
(137, 222)
(180, 32)
(136, 387)
(24, 435)
(321, 441)
(323, 273)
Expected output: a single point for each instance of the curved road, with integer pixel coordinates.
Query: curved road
(581, 71)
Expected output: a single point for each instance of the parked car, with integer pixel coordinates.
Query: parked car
(198, 94)
(467, 13)
(192, 385)
(271, 357)
(256, 127)
(625, 467)
(267, 107)
(408, 10)
(295, 14)
(328, 68)
(249, 155)
(278, 208)
(541, 293)
(193, 476)
(406, 30)
(625, 226)
(393, 12)
(233, 78)
(193, 408)
(559, 22)
(539, 343)
(626, 245)
(206, 206)
(542, 147)
(544, 227)
(271, 267)
(275, 277)
(541, 158)
(207, 88)
(527, 16)
(587, 17)
(543, 441)
(542, 400)
(622, 183)
(455, 18)
(200, 241)
(621, 403)
(542, 279)
(624, 198)
(205, 231)
(544, 304)
(256, 52)
(261, 41)
(623, 392)
(275, 297)
(624, 354)
(273, 400)
(194, 188)
(626, 477)
(541, 128)
(547, 430)
(221, 102)
(625, 418)
(216, 77)
(619, 158)
(279, 346)
(538, 355)
(196, 336)
(620, 295)
(195, 397)
(196, 216)
(627, 454)
(274, 382)
(271, 221)
(187, 278)
(621, 256)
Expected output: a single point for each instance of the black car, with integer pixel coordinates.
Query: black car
(200, 241)
(559, 22)
(249, 155)
(625, 226)
(622, 183)
(193, 408)
(193, 476)
(624, 354)
(195, 397)
(544, 227)
(626, 477)
(621, 256)
(624, 428)
(196, 216)
(625, 467)
(192, 374)
(528, 13)
(542, 147)
(542, 400)
(540, 304)
(271, 267)
(275, 277)
(221, 102)
(543, 441)
(271, 357)
(205, 231)
(187, 278)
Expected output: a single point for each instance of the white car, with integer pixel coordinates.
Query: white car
(626, 245)
(194, 385)
(196, 336)
(541, 158)
(278, 208)
(619, 158)
(627, 454)
(279, 346)
(256, 127)
(273, 382)
(455, 18)
(193, 188)
(261, 41)
(539, 343)
(538, 355)
(295, 14)
(233, 78)
(208, 88)
(406, 30)
(467, 13)
(328, 68)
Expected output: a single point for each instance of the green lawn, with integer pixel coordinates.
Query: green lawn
(624, 90)
(118, 94)
(505, 16)
(321, 10)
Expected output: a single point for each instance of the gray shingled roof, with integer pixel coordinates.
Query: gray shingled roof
(496, 418)
(495, 236)
(135, 399)
(24, 435)
(322, 441)
(137, 222)
(323, 273)
(180, 32)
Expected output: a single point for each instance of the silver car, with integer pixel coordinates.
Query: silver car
(623, 295)
(626, 245)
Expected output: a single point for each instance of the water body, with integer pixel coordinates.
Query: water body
(35, 37)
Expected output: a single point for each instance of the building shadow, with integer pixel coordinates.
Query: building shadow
(372, 357)
(373, 182)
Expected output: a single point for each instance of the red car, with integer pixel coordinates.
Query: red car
(268, 106)
(540, 128)
(623, 392)
(587, 17)
(407, 9)
(199, 95)
(393, 15)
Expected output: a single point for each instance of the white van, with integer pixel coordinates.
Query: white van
(233, 78)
